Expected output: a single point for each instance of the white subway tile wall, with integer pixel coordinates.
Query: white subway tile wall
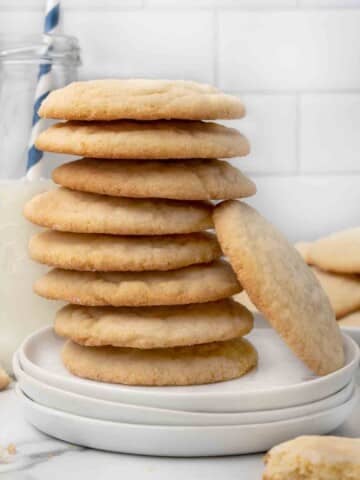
(329, 3)
(289, 50)
(296, 64)
(270, 124)
(329, 133)
(220, 3)
(138, 43)
(306, 207)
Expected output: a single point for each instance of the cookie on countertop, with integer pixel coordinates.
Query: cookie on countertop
(194, 365)
(350, 320)
(339, 252)
(280, 285)
(174, 179)
(4, 379)
(343, 290)
(158, 140)
(195, 284)
(96, 252)
(314, 458)
(140, 99)
(154, 327)
(80, 212)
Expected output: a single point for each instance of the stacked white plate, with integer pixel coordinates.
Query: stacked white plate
(351, 331)
(279, 400)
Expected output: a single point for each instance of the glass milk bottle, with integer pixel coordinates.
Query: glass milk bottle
(21, 311)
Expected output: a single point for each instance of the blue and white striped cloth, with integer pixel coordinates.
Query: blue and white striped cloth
(34, 164)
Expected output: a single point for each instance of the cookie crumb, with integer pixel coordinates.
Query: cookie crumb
(4, 379)
(11, 449)
(6, 453)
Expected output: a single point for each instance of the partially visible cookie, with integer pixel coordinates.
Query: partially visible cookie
(95, 252)
(140, 99)
(339, 252)
(343, 290)
(194, 284)
(79, 212)
(176, 179)
(4, 379)
(350, 320)
(154, 327)
(280, 285)
(194, 365)
(303, 248)
(158, 140)
(314, 458)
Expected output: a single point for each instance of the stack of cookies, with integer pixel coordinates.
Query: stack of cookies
(147, 292)
(335, 260)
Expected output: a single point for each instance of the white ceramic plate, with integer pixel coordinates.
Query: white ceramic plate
(280, 381)
(176, 440)
(353, 332)
(121, 412)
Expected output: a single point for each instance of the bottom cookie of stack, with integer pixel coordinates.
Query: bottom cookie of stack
(174, 345)
(193, 365)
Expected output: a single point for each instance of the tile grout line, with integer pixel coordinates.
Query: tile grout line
(92, 8)
(297, 133)
(226, 8)
(297, 8)
(325, 174)
(262, 91)
(215, 56)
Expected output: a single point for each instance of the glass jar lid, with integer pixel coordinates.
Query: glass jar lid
(40, 49)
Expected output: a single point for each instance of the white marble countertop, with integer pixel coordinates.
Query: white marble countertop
(39, 457)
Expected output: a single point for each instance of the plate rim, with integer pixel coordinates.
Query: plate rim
(347, 390)
(149, 392)
(24, 398)
(350, 329)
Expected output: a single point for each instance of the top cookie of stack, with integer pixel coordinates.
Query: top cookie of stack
(127, 231)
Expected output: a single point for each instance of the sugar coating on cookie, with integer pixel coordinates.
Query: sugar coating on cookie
(96, 252)
(193, 365)
(158, 140)
(314, 458)
(154, 327)
(343, 290)
(80, 212)
(4, 379)
(280, 285)
(194, 284)
(181, 180)
(350, 320)
(140, 99)
(339, 252)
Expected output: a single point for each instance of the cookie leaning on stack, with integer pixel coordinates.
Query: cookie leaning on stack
(148, 293)
(280, 285)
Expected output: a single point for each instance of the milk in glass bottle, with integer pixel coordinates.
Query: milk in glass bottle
(21, 311)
